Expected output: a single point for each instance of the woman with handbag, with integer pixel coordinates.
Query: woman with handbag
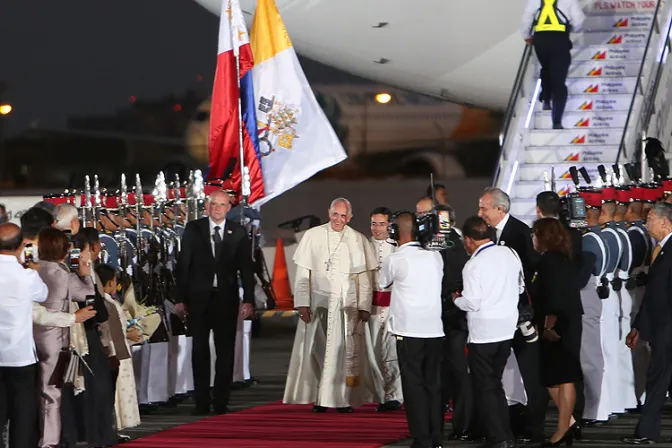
(55, 345)
(556, 299)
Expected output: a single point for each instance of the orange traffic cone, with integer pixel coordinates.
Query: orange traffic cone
(283, 293)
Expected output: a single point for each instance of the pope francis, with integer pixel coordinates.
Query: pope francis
(333, 294)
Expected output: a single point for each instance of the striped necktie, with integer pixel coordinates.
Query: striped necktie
(656, 251)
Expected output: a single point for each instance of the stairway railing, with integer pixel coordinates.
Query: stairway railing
(648, 91)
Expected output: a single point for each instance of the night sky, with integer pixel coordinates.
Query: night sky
(82, 57)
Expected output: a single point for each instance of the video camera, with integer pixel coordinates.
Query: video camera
(573, 206)
(433, 228)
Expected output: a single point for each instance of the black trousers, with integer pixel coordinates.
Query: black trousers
(487, 363)
(534, 415)
(220, 315)
(420, 365)
(455, 379)
(658, 378)
(553, 52)
(19, 405)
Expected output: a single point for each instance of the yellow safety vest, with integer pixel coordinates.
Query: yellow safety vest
(548, 18)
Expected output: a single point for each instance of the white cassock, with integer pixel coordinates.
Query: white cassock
(380, 345)
(333, 278)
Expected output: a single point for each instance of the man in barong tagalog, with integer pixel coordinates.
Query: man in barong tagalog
(333, 294)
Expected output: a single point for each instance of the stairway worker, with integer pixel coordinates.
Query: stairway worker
(546, 24)
(415, 276)
(654, 324)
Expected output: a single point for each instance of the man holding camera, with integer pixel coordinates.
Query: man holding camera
(493, 282)
(415, 276)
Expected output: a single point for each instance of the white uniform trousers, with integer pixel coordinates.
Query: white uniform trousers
(593, 365)
(610, 324)
(625, 361)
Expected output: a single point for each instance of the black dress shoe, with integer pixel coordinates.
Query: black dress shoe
(392, 405)
(238, 385)
(319, 409)
(638, 441)
(462, 436)
(252, 382)
(547, 105)
(526, 440)
(593, 423)
(222, 410)
(345, 410)
(506, 444)
(123, 438)
(200, 412)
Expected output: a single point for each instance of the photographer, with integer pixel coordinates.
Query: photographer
(492, 283)
(415, 277)
(455, 379)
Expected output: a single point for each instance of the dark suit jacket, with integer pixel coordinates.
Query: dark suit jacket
(654, 320)
(454, 259)
(518, 236)
(197, 267)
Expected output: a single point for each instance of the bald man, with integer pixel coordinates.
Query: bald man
(415, 276)
(215, 252)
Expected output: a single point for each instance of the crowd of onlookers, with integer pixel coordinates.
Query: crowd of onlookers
(66, 374)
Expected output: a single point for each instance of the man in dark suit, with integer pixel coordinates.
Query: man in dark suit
(455, 379)
(493, 207)
(215, 252)
(654, 325)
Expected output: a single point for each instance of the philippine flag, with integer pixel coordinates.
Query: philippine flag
(296, 139)
(224, 144)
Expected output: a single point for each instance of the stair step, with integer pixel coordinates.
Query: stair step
(619, 6)
(582, 120)
(588, 102)
(608, 53)
(603, 69)
(526, 206)
(614, 38)
(567, 137)
(577, 86)
(530, 189)
(576, 154)
(535, 172)
(624, 21)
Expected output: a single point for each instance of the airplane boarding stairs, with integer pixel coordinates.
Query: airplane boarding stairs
(608, 81)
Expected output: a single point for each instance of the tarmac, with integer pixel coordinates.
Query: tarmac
(269, 363)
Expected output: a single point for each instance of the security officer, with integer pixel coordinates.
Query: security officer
(625, 292)
(641, 254)
(593, 295)
(611, 310)
(546, 24)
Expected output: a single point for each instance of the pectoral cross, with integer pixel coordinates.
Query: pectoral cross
(328, 264)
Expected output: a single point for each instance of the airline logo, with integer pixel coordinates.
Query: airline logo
(595, 72)
(573, 157)
(583, 123)
(622, 23)
(566, 175)
(615, 40)
(578, 140)
(564, 192)
(593, 88)
(587, 105)
(600, 55)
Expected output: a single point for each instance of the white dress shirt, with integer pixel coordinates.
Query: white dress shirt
(212, 240)
(499, 228)
(571, 9)
(664, 240)
(492, 286)
(415, 275)
(19, 288)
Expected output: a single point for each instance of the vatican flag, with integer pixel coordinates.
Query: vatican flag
(296, 139)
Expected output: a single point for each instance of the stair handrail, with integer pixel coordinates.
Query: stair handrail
(638, 82)
(511, 107)
(650, 101)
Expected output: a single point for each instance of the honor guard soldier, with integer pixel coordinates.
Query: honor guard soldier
(625, 293)
(593, 361)
(546, 25)
(611, 309)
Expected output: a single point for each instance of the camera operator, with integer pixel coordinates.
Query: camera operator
(455, 379)
(493, 280)
(415, 277)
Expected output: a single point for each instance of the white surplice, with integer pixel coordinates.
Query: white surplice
(333, 278)
(381, 346)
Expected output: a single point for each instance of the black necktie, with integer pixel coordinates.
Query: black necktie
(217, 238)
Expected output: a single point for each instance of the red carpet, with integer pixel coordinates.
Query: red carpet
(288, 426)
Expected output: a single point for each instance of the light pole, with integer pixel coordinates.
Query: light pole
(380, 98)
(5, 109)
